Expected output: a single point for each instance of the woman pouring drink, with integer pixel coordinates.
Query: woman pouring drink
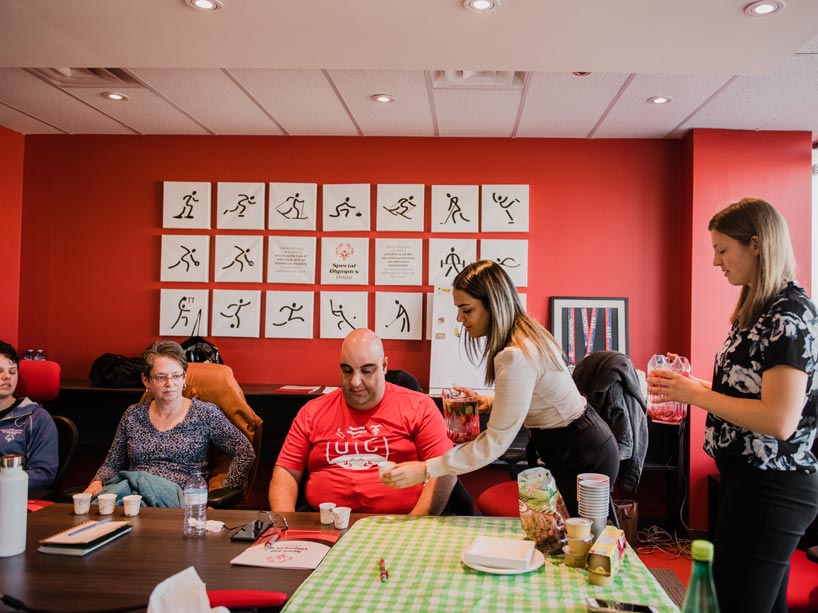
(532, 387)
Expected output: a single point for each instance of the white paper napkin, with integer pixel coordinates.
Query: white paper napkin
(184, 591)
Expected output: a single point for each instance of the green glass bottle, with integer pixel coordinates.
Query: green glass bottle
(701, 593)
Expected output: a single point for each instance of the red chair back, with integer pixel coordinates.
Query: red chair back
(38, 380)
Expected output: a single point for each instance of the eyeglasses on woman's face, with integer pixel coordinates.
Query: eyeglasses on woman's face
(162, 377)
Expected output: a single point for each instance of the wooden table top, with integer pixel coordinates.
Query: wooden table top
(125, 571)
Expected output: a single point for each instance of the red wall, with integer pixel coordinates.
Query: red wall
(12, 146)
(603, 215)
(726, 166)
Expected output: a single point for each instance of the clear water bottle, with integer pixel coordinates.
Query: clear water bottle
(29, 354)
(40, 355)
(195, 506)
(658, 410)
(701, 592)
(680, 365)
(13, 509)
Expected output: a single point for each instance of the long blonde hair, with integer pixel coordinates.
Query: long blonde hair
(509, 324)
(743, 220)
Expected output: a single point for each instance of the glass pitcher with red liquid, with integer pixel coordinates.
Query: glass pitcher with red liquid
(461, 415)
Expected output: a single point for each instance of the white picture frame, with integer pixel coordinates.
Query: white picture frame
(239, 258)
(240, 206)
(183, 312)
(343, 312)
(400, 207)
(236, 313)
(289, 314)
(292, 206)
(504, 208)
(185, 258)
(186, 204)
(455, 208)
(345, 207)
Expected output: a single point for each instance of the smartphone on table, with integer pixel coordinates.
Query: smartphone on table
(601, 605)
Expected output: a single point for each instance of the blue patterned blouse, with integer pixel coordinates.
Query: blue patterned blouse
(176, 453)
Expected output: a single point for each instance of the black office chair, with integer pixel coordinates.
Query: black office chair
(67, 439)
(404, 379)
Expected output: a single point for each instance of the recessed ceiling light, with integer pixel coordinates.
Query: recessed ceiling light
(580, 74)
(762, 8)
(659, 99)
(114, 96)
(205, 5)
(382, 98)
(481, 6)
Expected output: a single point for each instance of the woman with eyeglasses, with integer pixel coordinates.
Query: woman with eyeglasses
(170, 436)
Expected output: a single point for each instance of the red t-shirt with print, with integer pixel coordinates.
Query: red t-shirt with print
(339, 448)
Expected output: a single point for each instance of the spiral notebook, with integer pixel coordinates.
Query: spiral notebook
(84, 538)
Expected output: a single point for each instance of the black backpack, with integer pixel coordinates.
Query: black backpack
(113, 370)
(198, 349)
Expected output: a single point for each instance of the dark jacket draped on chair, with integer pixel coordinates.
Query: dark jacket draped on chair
(608, 380)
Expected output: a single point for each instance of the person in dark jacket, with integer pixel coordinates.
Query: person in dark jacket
(609, 381)
(26, 427)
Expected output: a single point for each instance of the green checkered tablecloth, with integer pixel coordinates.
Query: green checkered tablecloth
(426, 574)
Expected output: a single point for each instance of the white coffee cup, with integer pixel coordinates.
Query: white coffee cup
(325, 509)
(132, 503)
(340, 517)
(385, 467)
(82, 504)
(107, 502)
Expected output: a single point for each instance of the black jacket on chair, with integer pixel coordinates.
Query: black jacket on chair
(609, 381)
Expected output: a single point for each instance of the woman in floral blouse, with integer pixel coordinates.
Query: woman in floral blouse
(762, 409)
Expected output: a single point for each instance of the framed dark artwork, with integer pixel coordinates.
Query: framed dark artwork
(584, 325)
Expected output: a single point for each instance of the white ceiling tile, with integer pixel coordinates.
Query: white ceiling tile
(50, 104)
(462, 112)
(633, 117)
(409, 115)
(301, 101)
(561, 105)
(144, 111)
(20, 122)
(211, 97)
(810, 47)
(751, 103)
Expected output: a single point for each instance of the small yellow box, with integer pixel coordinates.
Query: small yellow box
(606, 552)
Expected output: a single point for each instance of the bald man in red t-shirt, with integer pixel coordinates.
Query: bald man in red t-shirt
(338, 439)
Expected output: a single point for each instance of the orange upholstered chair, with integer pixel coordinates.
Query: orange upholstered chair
(215, 383)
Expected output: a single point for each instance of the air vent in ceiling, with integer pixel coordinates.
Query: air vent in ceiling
(85, 77)
(477, 79)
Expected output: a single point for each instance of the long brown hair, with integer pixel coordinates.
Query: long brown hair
(509, 324)
(743, 220)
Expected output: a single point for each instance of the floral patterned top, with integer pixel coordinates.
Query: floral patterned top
(176, 453)
(787, 333)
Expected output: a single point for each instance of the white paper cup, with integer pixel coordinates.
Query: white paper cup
(325, 509)
(82, 504)
(578, 527)
(340, 517)
(385, 467)
(132, 503)
(107, 502)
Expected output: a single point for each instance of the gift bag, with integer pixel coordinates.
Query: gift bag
(542, 509)
(627, 513)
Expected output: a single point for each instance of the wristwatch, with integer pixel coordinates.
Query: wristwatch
(426, 476)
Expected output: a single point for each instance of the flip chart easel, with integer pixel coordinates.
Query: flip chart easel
(449, 364)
